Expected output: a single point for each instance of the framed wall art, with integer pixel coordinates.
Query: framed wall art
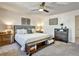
(53, 21)
(25, 21)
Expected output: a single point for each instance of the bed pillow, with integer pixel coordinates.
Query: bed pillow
(33, 31)
(29, 31)
(21, 31)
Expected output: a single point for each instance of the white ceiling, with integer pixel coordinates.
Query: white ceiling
(27, 7)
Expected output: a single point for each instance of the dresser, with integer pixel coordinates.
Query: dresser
(61, 34)
(5, 39)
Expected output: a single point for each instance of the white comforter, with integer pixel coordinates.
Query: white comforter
(22, 39)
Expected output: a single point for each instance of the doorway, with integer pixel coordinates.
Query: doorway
(77, 29)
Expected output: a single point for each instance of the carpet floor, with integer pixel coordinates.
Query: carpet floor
(57, 49)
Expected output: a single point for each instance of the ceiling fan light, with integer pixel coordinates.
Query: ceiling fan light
(40, 10)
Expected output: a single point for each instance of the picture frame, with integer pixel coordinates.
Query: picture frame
(25, 21)
(53, 21)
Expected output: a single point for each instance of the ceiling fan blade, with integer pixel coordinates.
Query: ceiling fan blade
(35, 9)
(42, 4)
(45, 10)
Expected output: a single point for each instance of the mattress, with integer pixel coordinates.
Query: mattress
(23, 39)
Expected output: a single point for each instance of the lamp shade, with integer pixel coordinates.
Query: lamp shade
(38, 27)
(9, 29)
(40, 10)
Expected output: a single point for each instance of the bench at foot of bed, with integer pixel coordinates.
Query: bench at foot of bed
(30, 49)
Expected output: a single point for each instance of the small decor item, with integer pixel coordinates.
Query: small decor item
(65, 27)
(61, 25)
(2, 32)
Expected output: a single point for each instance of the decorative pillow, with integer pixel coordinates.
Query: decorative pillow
(29, 31)
(21, 31)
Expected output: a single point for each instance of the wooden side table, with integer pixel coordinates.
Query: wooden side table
(39, 31)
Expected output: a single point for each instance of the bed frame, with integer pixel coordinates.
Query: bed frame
(28, 46)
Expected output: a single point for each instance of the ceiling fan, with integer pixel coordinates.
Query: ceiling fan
(42, 7)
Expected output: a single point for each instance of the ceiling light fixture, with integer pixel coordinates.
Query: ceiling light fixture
(40, 10)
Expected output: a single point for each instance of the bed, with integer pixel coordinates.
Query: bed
(28, 38)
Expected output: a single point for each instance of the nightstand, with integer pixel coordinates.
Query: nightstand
(39, 31)
(5, 39)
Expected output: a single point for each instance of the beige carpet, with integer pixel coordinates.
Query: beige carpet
(77, 40)
(11, 50)
(57, 49)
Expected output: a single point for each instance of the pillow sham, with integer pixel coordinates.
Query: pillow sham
(33, 30)
(21, 31)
